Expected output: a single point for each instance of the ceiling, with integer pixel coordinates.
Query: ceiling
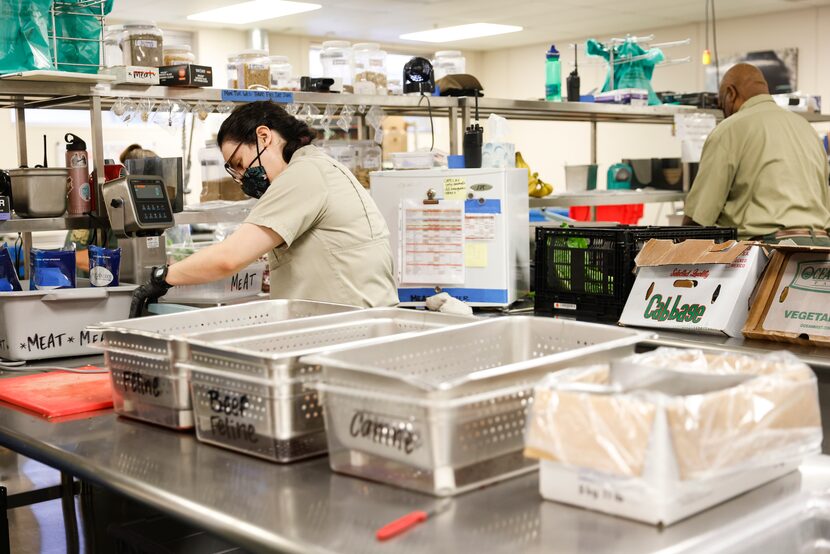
(543, 20)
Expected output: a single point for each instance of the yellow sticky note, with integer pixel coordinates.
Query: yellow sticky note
(475, 254)
(455, 188)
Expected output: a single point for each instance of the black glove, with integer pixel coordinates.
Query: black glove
(150, 291)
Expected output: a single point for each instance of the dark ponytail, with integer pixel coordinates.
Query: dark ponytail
(241, 126)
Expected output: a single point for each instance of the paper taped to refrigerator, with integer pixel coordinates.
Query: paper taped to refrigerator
(432, 250)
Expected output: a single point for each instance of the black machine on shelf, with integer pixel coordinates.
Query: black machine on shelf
(418, 76)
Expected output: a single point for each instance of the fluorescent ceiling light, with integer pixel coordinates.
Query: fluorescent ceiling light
(255, 10)
(461, 32)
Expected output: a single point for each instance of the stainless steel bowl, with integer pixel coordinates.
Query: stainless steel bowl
(39, 192)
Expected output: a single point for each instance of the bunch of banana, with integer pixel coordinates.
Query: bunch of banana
(536, 187)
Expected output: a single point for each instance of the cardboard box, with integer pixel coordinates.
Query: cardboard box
(186, 75)
(792, 303)
(695, 285)
(663, 435)
(134, 75)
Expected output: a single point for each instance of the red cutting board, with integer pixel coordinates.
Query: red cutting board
(58, 393)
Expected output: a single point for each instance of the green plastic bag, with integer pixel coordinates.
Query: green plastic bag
(24, 35)
(82, 56)
(636, 73)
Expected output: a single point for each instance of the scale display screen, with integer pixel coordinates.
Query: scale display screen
(149, 191)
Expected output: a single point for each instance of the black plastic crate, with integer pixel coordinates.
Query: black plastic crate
(588, 272)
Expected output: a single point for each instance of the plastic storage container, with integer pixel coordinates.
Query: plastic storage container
(53, 323)
(180, 54)
(588, 272)
(112, 47)
(369, 69)
(443, 412)
(337, 59)
(253, 70)
(142, 353)
(281, 73)
(142, 44)
(243, 284)
(413, 160)
(251, 393)
(232, 70)
(370, 158)
(449, 62)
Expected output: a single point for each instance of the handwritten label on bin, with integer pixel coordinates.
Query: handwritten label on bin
(397, 435)
(48, 342)
(228, 407)
(234, 95)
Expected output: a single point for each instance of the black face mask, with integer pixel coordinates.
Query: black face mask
(255, 180)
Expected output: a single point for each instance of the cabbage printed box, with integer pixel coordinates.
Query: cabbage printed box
(696, 285)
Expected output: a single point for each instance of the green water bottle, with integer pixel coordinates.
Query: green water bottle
(553, 76)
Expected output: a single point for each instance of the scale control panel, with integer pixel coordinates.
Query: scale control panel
(150, 198)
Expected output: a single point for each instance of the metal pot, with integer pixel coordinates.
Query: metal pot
(39, 192)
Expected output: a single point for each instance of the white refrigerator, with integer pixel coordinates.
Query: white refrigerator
(460, 231)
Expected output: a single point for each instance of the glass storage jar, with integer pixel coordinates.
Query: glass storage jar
(336, 58)
(254, 70)
(281, 73)
(112, 46)
(449, 62)
(233, 71)
(370, 159)
(181, 54)
(142, 44)
(369, 69)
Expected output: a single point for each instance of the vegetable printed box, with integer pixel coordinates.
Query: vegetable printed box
(695, 285)
(793, 299)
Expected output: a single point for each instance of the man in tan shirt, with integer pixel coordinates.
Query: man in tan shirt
(763, 169)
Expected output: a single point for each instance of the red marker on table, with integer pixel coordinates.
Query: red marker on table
(410, 520)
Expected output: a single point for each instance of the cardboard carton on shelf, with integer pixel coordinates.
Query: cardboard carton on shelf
(658, 437)
(186, 75)
(134, 75)
(695, 285)
(792, 303)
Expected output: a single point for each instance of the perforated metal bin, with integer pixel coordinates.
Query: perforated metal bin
(251, 394)
(444, 412)
(141, 354)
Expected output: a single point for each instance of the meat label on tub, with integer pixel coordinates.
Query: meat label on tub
(48, 342)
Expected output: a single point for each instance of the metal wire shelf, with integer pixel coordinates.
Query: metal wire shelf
(95, 9)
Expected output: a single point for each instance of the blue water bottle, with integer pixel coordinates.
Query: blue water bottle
(553, 76)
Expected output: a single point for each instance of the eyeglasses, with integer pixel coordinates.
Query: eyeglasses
(235, 175)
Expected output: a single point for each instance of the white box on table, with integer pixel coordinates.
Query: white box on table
(695, 285)
(661, 436)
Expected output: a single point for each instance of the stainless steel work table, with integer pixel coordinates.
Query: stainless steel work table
(816, 357)
(303, 507)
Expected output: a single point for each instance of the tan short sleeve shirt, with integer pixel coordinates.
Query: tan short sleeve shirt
(762, 170)
(336, 241)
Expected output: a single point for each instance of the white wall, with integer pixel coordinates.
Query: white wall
(548, 147)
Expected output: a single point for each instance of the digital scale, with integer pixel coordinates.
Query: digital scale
(139, 211)
(137, 206)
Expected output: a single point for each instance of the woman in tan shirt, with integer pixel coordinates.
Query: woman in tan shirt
(325, 237)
